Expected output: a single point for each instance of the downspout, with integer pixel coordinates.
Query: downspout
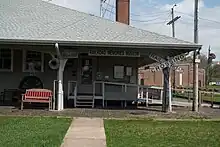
(58, 50)
(60, 93)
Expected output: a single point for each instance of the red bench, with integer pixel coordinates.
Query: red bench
(37, 96)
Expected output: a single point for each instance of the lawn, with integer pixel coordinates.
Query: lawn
(205, 97)
(32, 131)
(208, 98)
(145, 133)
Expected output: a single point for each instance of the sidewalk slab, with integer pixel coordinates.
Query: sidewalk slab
(85, 132)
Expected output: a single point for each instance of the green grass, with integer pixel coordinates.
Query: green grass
(216, 98)
(32, 131)
(207, 97)
(143, 133)
(214, 86)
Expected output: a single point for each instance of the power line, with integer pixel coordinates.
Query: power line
(199, 17)
(145, 20)
(200, 25)
(154, 23)
(142, 21)
(134, 14)
(164, 22)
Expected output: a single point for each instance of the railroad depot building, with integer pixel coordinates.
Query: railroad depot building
(76, 55)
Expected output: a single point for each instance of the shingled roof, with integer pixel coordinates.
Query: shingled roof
(38, 20)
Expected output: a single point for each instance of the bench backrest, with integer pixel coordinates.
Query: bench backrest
(43, 94)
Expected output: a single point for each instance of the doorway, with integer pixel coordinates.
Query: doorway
(86, 75)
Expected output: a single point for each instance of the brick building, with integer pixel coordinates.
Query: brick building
(183, 76)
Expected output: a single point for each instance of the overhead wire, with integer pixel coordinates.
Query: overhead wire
(201, 18)
(134, 14)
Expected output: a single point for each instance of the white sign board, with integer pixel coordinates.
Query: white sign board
(165, 63)
(118, 53)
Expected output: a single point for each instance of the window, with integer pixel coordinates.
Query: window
(33, 61)
(6, 60)
(118, 72)
(142, 82)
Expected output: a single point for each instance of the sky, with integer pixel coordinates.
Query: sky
(153, 15)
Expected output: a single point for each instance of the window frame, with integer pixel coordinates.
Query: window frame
(123, 70)
(12, 62)
(24, 61)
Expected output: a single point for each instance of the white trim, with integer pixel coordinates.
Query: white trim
(24, 61)
(12, 60)
(181, 79)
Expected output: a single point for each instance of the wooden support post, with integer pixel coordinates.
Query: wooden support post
(200, 99)
(165, 99)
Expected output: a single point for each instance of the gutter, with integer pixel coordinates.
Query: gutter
(96, 43)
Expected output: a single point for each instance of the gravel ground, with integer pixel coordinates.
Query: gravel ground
(151, 112)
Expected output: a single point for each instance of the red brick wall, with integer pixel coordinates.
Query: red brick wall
(156, 78)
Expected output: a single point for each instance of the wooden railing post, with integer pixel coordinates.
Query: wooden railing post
(147, 100)
(212, 98)
(103, 94)
(75, 93)
(200, 98)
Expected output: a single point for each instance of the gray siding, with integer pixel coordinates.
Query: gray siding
(11, 80)
(115, 92)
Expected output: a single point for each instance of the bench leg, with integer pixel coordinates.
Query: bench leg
(22, 105)
(49, 106)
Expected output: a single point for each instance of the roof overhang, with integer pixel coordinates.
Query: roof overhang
(102, 44)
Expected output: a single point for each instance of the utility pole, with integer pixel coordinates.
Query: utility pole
(173, 23)
(196, 61)
(208, 67)
(174, 76)
(173, 20)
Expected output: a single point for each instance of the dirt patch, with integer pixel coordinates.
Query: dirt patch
(151, 112)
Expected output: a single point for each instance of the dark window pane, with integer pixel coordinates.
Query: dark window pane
(1, 63)
(142, 81)
(5, 58)
(7, 64)
(35, 57)
(5, 53)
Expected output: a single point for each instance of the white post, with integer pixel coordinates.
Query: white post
(170, 96)
(181, 79)
(147, 100)
(142, 92)
(60, 84)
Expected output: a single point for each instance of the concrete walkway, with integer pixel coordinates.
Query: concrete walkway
(85, 132)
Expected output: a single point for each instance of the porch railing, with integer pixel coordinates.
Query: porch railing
(121, 91)
(118, 91)
(72, 91)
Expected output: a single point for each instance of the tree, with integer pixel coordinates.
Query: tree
(203, 60)
(215, 71)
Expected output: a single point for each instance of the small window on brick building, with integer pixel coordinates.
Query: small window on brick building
(142, 82)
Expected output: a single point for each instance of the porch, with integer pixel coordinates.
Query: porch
(88, 80)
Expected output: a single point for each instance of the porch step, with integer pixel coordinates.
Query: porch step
(84, 97)
(83, 105)
(84, 101)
